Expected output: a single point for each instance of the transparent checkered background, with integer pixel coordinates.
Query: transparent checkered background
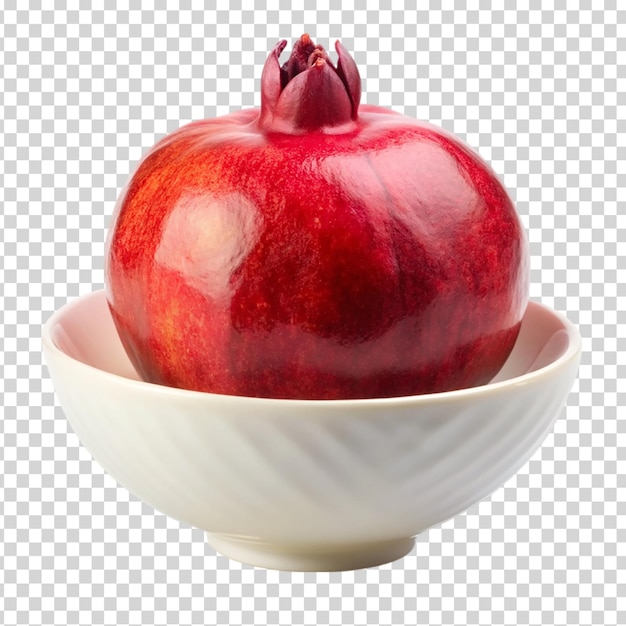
(538, 88)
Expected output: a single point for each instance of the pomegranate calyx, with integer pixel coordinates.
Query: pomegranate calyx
(308, 92)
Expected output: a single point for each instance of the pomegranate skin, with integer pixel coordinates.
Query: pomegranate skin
(376, 257)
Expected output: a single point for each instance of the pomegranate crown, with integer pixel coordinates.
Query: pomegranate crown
(308, 92)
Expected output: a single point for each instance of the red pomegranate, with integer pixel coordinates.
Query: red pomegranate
(315, 248)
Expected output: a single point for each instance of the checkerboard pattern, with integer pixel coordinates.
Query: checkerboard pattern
(538, 88)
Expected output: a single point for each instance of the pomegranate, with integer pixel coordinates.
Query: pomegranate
(315, 248)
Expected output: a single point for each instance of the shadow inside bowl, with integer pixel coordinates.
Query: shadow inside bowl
(85, 331)
(542, 340)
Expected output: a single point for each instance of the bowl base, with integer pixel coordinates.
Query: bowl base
(309, 557)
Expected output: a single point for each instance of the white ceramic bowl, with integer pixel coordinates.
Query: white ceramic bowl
(307, 485)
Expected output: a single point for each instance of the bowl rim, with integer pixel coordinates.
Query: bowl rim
(572, 353)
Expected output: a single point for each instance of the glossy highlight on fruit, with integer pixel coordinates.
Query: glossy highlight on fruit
(315, 248)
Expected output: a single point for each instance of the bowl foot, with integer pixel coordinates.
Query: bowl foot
(309, 557)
